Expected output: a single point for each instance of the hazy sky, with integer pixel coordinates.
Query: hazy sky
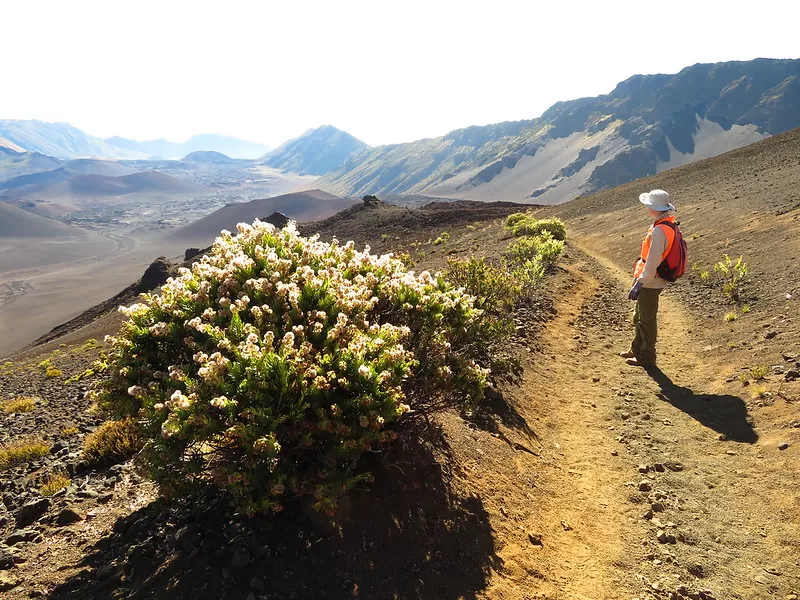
(385, 71)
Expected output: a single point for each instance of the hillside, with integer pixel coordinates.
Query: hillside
(302, 206)
(316, 152)
(18, 223)
(161, 148)
(647, 124)
(59, 140)
(580, 477)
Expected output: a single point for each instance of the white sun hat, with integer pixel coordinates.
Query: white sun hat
(657, 200)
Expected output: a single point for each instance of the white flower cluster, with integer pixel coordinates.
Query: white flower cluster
(223, 356)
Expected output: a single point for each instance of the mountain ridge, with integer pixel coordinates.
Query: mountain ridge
(634, 129)
(204, 142)
(59, 140)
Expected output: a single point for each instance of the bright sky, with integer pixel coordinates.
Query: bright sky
(385, 71)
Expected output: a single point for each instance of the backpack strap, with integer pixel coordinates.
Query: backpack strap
(671, 224)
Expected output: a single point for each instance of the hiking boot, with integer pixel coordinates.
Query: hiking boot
(627, 354)
(638, 362)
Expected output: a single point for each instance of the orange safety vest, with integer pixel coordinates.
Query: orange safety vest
(638, 268)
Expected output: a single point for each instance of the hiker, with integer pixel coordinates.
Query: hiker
(647, 280)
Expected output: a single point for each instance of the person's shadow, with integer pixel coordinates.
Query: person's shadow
(723, 413)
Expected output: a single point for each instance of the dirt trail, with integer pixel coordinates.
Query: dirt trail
(634, 455)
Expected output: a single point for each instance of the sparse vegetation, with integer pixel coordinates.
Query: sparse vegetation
(20, 452)
(54, 483)
(53, 372)
(113, 442)
(67, 431)
(731, 316)
(732, 275)
(443, 238)
(21, 404)
(758, 372)
(277, 360)
(82, 375)
(90, 344)
(49, 369)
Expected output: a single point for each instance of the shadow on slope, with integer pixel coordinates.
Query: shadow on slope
(410, 536)
(724, 413)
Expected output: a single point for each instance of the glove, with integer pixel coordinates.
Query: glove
(633, 294)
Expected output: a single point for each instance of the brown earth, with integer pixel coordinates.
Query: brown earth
(559, 488)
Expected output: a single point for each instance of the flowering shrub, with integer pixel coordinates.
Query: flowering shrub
(277, 360)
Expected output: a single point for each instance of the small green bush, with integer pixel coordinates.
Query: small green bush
(731, 276)
(533, 227)
(442, 239)
(494, 288)
(544, 247)
(276, 361)
(513, 219)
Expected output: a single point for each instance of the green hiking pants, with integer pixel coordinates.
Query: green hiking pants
(645, 323)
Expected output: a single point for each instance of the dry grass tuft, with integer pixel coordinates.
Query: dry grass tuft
(54, 483)
(20, 404)
(112, 442)
(21, 452)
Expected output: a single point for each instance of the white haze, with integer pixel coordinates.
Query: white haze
(384, 71)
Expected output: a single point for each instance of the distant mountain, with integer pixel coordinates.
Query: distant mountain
(316, 152)
(230, 146)
(310, 205)
(13, 163)
(59, 140)
(208, 157)
(18, 223)
(647, 124)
